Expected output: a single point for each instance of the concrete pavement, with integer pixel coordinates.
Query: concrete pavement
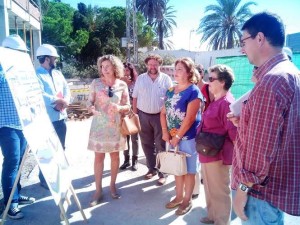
(142, 201)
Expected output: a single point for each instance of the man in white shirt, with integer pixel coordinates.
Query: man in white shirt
(148, 98)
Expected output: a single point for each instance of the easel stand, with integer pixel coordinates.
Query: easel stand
(62, 210)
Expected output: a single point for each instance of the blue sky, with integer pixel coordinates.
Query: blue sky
(190, 12)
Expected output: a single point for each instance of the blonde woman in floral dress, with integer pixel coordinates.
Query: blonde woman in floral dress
(180, 118)
(108, 99)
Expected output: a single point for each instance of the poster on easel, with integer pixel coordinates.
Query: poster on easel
(19, 72)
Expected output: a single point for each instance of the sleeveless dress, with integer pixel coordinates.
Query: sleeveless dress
(105, 136)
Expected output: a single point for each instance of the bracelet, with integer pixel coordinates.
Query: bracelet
(177, 136)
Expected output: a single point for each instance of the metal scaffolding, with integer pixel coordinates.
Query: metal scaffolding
(131, 32)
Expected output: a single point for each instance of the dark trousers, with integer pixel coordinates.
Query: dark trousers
(134, 143)
(61, 130)
(151, 138)
(13, 145)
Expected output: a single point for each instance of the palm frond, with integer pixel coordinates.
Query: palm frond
(221, 26)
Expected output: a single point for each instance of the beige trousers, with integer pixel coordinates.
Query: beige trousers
(196, 190)
(216, 179)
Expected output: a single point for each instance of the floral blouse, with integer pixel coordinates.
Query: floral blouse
(176, 107)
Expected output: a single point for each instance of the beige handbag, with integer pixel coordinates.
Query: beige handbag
(130, 124)
(172, 162)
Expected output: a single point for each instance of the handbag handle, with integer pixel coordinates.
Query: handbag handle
(168, 146)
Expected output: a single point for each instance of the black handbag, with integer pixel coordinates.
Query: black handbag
(209, 144)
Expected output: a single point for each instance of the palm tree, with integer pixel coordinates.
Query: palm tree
(222, 27)
(151, 9)
(164, 27)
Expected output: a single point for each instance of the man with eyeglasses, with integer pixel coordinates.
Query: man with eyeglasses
(266, 159)
(56, 93)
(148, 98)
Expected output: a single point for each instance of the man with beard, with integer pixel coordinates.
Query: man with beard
(148, 99)
(56, 93)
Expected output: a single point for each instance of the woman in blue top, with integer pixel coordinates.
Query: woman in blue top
(180, 118)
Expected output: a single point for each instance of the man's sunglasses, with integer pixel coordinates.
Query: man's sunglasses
(110, 92)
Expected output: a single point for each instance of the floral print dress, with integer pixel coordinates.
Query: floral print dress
(105, 133)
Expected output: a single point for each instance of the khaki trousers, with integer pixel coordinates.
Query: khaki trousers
(216, 180)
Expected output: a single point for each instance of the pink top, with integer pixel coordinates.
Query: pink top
(214, 120)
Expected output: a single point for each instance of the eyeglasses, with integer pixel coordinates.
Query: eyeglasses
(212, 79)
(110, 92)
(243, 41)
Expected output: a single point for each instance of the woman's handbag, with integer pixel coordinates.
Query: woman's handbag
(209, 144)
(172, 162)
(130, 124)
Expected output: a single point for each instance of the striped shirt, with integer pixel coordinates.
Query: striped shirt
(151, 94)
(267, 150)
(8, 111)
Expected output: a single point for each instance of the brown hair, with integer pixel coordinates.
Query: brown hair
(224, 73)
(133, 73)
(189, 65)
(115, 61)
(156, 57)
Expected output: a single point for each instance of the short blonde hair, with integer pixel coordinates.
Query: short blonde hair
(115, 61)
(189, 65)
(224, 73)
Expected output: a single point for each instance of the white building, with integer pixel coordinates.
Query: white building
(21, 15)
(206, 58)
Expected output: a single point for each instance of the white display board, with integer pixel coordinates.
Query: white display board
(19, 72)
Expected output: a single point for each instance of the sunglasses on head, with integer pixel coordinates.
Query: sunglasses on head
(110, 92)
(211, 79)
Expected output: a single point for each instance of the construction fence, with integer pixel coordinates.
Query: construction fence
(243, 72)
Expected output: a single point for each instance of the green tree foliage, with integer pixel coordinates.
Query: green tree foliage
(57, 24)
(85, 33)
(58, 30)
(222, 26)
(110, 26)
(145, 33)
(161, 18)
(164, 27)
(151, 9)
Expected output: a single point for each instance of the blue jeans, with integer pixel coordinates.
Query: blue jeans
(60, 127)
(262, 212)
(13, 145)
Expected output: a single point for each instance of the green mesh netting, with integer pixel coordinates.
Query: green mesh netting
(243, 72)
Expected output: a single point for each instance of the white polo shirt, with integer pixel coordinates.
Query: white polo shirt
(151, 94)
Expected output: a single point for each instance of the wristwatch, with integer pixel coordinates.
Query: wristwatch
(244, 188)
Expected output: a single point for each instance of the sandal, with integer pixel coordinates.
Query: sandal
(172, 204)
(181, 211)
(206, 220)
(96, 201)
(115, 195)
